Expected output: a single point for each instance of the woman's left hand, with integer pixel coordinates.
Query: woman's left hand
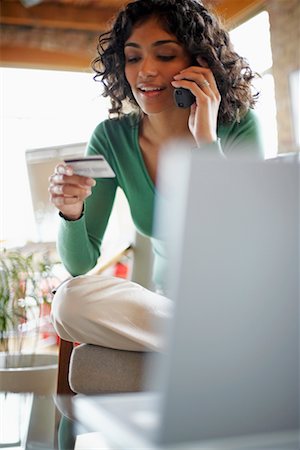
(204, 112)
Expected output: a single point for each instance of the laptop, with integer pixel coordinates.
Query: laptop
(230, 376)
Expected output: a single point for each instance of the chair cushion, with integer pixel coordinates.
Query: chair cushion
(94, 369)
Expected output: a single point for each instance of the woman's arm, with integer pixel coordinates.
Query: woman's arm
(79, 240)
(242, 139)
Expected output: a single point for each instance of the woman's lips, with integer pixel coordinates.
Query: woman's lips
(149, 93)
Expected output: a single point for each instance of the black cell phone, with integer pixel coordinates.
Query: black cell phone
(183, 98)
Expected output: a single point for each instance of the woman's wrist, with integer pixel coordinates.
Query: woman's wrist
(70, 218)
(202, 143)
(211, 150)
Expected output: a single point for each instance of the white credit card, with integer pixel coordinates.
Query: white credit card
(91, 166)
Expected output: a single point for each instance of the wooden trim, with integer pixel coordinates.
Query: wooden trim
(235, 12)
(56, 15)
(88, 17)
(17, 56)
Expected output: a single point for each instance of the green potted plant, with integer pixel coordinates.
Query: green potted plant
(26, 282)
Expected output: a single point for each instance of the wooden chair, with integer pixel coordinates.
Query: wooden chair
(64, 355)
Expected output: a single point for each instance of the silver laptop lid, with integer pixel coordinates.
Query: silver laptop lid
(232, 229)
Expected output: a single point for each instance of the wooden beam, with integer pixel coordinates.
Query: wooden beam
(56, 15)
(80, 17)
(25, 57)
(235, 12)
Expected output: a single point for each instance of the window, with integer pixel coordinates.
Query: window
(39, 109)
(259, 56)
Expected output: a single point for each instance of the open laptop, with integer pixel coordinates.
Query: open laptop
(230, 378)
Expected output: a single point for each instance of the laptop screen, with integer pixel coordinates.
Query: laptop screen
(232, 231)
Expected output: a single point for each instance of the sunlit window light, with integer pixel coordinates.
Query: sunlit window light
(260, 61)
(40, 109)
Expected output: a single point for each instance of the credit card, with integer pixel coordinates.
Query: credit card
(91, 166)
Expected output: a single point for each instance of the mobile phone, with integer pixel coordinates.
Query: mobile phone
(91, 166)
(183, 98)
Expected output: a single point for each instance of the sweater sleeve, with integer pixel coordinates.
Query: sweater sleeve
(242, 139)
(237, 140)
(79, 241)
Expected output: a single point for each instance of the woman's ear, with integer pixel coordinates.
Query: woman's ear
(201, 61)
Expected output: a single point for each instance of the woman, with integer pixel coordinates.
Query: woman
(153, 47)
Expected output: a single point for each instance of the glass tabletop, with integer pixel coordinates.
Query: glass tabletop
(32, 422)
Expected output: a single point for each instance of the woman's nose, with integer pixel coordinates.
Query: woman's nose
(147, 68)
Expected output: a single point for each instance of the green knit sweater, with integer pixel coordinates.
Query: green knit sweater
(79, 242)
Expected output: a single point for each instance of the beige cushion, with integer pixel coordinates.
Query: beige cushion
(95, 369)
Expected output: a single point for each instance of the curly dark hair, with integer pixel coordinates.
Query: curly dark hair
(201, 34)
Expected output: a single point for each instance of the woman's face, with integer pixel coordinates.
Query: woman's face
(152, 58)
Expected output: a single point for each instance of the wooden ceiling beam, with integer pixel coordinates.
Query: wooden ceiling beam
(56, 15)
(234, 12)
(79, 17)
(22, 56)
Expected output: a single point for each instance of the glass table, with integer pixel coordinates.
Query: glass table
(32, 422)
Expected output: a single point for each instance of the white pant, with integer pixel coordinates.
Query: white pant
(111, 312)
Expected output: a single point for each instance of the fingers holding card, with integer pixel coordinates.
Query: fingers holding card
(72, 183)
(91, 166)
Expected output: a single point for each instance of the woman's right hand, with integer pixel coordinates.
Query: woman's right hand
(68, 191)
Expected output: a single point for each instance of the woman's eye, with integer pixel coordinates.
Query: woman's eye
(166, 57)
(132, 59)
